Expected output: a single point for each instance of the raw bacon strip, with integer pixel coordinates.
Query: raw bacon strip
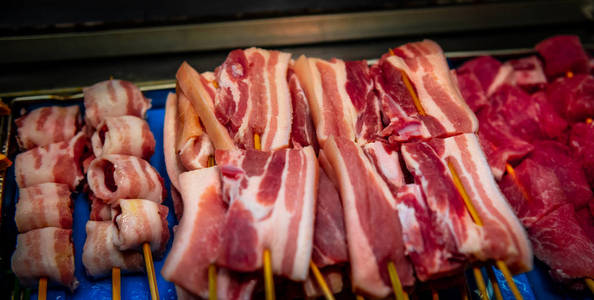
(341, 98)
(193, 145)
(272, 197)
(127, 135)
(100, 211)
(47, 125)
(172, 162)
(234, 286)
(58, 162)
(386, 161)
(100, 254)
(191, 84)
(302, 128)
(374, 233)
(253, 97)
(141, 221)
(44, 205)
(46, 252)
(197, 237)
(329, 245)
(113, 98)
(501, 237)
(425, 65)
(113, 177)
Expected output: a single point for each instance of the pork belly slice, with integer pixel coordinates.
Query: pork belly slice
(341, 97)
(302, 129)
(127, 135)
(45, 252)
(197, 238)
(272, 198)
(140, 221)
(192, 144)
(100, 254)
(234, 286)
(47, 125)
(57, 162)
(563, 53)
(44, 205)
(426, 68)
(113, 98)
(385, 159)
(115, 176)
(501, 237)
(253, 97)
(100, 211)
(374, 233)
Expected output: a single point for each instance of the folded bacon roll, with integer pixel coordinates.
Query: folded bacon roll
(115, 176)
(193, 144)
(100, 211)
(198, 236)
(434, 164)
(46, 252)
(44, 205)
(440, 111)
(373, 231)
(253, 97)
(57, 162)
(100, 254)
(341, 97)
(113, 98)
(141, 221)
(47, 125)
(128, 135)
(272, 197)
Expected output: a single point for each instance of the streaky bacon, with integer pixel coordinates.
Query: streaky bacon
(100, 211)
(127, 135)
(198, 236)
(374, 233)
(113, 177)
(253, 97)
(44, 205)
(45, 252)
(272, 197)
(113, 98)
(47, 125)
(234, 286)
(58, 162)
(141, 221)
(501, 237)
(100, 255)
(387, 162)
(302, 128)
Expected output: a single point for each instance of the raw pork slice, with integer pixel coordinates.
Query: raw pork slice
(128, 135)
(47, 125)
(302, 128)
(44, 205)
(141, 221)
(113, 98)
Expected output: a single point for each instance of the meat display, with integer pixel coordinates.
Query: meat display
(127, 135)
(35, 127)
(58, 162)
(44, 205)
(115, 176)
(113, 98)
(100, 254)
(141, 221)
(45, 252)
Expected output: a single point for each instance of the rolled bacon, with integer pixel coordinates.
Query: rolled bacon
(57, 162)
(100, 254)
(141, 221)
(113, 98)
(113, 177)
(127, 135)
(46, 252)
(44, 205)
(47, 125)
(193, 144)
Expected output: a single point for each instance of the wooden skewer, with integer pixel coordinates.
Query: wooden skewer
(359, 297)
(321, 281)
(480, 282)
(115, 284)
(473, 213)
(569, 74)
(42, 291)
(434, 294)
(588, 120)
(212, 282)
(464, 290)
(396, 284)
(496, 290)
(590, 284)
(268, 279)
(150, 271)
(411, 90)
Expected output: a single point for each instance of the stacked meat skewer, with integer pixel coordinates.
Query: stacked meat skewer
(402, 171)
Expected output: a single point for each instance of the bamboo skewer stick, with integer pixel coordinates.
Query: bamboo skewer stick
(115, 284)
(212, 269)
(480, 282)
(508, 277)
(496, 290)
(590, 284)
(150, 271)
(42, 291)
(434, 294)
(268, 279)
(321, 281)
(396, 284)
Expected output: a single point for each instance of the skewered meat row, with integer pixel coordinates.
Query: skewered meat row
(61, 121)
